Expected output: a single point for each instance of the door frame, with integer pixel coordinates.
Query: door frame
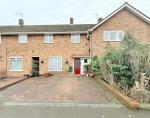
(83, 64)
(39, 62)
(74, 65)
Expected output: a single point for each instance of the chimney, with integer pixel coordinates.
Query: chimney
(71, 20)
(99, 20)
(21, 22)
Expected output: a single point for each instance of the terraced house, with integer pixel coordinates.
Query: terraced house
(65, 49)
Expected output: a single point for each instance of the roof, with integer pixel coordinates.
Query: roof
(130, 8)
(39, 29)
(68, 28)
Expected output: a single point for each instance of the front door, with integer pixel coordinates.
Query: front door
(84, 62)
(35, 66)
(77, 63)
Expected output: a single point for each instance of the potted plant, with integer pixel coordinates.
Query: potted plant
(88, 72)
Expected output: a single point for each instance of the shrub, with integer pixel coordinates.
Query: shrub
(124, 65)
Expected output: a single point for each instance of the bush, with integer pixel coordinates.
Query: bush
(124, 65)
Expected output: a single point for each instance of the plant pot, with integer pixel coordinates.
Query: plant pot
(46, 74)
(87, 75)
(91, 75)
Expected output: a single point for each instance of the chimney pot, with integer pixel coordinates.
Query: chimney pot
(99, 20)
(71, 20)
(21, 22)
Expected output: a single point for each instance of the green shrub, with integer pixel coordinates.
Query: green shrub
(87, 68)
(123, 65)
(123, 76)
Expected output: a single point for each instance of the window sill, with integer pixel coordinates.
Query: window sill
(16, 70)
(22, 43)
(55, 70)
(75, 43)
(49, 43)
(112, 41)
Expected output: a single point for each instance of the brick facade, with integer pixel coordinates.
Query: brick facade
(122, 21)
(36, 47)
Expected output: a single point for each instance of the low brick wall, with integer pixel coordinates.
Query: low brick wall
(127, 101)
(2, 73)
(9, 82)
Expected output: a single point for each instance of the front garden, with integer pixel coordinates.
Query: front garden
(126, 67)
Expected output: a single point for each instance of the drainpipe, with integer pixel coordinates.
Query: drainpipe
(6, 56)
(90, 43)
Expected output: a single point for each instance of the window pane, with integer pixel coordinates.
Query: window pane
(23, 39)
(113, 35)
(106, 35)
(75, 38)
(72, 38)
(51, 63)
(85, 61)
(48, 39)
(12, 64)
(16, 64)
(19, 64)
(55, 64)
(59, 64)
(120, 36)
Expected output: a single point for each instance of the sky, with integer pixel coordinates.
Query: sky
(44, 12)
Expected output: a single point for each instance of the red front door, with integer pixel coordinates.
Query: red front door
(77, 63)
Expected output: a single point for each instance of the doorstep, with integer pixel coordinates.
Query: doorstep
(4, 83)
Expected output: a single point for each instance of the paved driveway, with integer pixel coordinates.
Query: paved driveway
(58, 89)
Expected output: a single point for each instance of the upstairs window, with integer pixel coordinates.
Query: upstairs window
(113, 35)
(48, 39)
(75, 38)
(16, 63)
(23, 38)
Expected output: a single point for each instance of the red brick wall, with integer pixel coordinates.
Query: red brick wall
(124, 21)
(62, 46)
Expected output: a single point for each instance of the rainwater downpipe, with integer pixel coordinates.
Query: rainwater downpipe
(90, 43)
(6, 56)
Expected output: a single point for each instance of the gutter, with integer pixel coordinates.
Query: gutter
(16, 33)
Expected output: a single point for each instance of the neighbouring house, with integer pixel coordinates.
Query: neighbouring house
(65, 49)
(113, 28)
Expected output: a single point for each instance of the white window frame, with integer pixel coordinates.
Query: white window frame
(109, 36)
(24, 36)
(60, 65)
(49, 36)
(16, 58)
(74, 38)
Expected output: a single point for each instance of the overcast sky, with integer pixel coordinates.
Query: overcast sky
(59, 11)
